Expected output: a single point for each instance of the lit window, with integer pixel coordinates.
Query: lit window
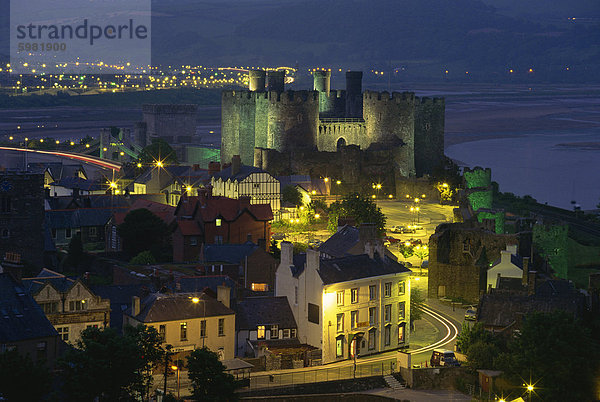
(401, 333)
(340, 298)
(260, 287)
(354, 295)
(372, 292)
(218, 222)
(340, 322)
(274, 331)
(293, 332)
(183, 331)
(63, 333)
(354, 319)
(286, 333)
(260, 332)
(77, 305)
(388, 289)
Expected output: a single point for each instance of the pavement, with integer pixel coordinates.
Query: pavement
(420, 395)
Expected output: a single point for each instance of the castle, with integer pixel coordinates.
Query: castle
(280, 130)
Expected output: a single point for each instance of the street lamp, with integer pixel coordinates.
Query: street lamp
(197, 300)
(177, 370)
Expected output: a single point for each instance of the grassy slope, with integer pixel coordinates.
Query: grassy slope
(579, 254)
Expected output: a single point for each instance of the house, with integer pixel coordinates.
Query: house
(90, 223)
(24, 327)
(56, 171)
(509, 265)
(219, 220)
(263, 322)
(188, 321)
(240, 180)
(22, 217)
(354, 304)
(120, 297)
(74, 186)
(349, 240)
(163, 211)
(68, 303)
(248, 264)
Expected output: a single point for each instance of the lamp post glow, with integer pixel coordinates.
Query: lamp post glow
(176, 369)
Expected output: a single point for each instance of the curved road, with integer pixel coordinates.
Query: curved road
(70, 155)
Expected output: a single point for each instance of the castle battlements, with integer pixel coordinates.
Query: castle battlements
(385, 96)
(431, 101)
(169, 108)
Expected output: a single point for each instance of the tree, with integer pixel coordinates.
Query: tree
(209, 380)
(159, 150)
(407, 250)
(359, 207)
(557, 354)
(143, 258)
(75, 255)
(291, 195)
(17, 375)
(142, 230)
(480, 346)
(110, 366)
(416, 299)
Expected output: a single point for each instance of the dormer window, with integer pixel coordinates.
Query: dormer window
(218, 222)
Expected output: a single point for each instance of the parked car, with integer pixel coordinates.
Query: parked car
(444, 358)
(391, 240)
(414, 228)
(415, 242)
(471, 314)
(401, 229)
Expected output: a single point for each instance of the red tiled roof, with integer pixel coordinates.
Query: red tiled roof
(189, 228)
(228, 209)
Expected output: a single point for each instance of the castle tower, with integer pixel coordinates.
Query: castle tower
(256, 80)
(391, 120)
(139, 133)
(322, 81)
(276, 80)
(429, 134)
(293, 120)
(331, 103)
(354, 102)
(172, 123)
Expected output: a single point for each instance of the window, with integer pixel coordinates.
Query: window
(50, 307)
(218, 239)
(255, 185)
(466, 246)
(91, 326)
(193, 241)
(5, 204)
(221, 326)
(313, 313)
(372, 315)
(293, 333)
(260, 287)
(387, 289)
(401, 328)
(354, 319)
(340, 298)
(41, 350)
(203, 329)
(372, 292)
(296, 295)
(286, 333)
(401, 311)
(401, 288)
(340, 322)
(93, 231)
(274, 331)
(387, 335)
(77, 305)
(387, 313)
(63, 333)
(5, 233)
(372, 335)
(339, 346)
(354, 295)
(183, 331)
(68, 233)
(260, 332)
(218, 222)
(162, 332)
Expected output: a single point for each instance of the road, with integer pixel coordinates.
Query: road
(103, 163)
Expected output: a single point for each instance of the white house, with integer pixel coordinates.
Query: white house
(510, 265)
(354, 304)
(240, 180)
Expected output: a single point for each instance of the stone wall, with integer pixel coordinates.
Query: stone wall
(436, 378)
(22, 216)
(173, 123)
(429, 134)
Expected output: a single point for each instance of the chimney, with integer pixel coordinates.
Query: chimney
(525, 271)
(287, 253)
(135, 306)
(312, 260)
(223, 295)
(369, 249)
(505, 256)
(214, 168)
(367, 231)
(236, 162)
(531, 283)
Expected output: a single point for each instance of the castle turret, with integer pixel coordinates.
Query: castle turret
(293, 120)
(276, 80)
(354, 102)
(322, 81)
(256, 80)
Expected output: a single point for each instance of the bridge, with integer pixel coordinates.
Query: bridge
(103, 163)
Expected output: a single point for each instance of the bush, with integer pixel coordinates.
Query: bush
(143, 258)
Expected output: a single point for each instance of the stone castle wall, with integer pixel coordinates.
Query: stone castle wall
(173, 123)
(429, 134)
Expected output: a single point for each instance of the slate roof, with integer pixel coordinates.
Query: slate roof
(244, 172)
(60, 282)
(340, 242)
(357, 267)
(228, 209)
(120, 299)
(159, 307)
(516, 260)
(75, 218)
(199, 283)
(228, 253)
(20, 316)
(254, 311)
(57, 170)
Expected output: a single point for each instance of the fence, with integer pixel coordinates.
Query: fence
(308, 375)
